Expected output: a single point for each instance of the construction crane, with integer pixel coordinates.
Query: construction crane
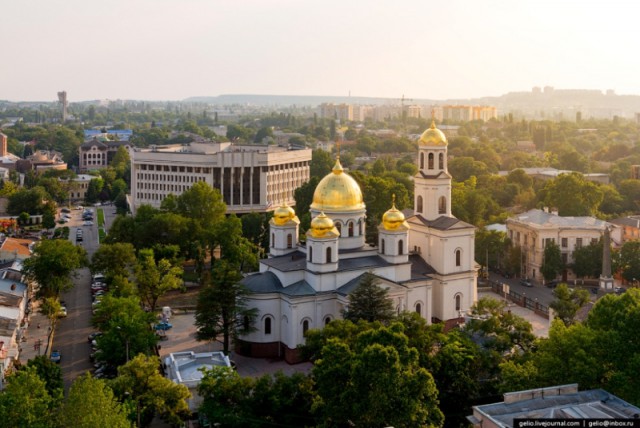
(403, 114)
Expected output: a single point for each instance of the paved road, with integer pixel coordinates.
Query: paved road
(72, 331)
(538, 291)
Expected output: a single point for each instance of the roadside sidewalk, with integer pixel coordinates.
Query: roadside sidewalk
(36, 335)
(540, 324)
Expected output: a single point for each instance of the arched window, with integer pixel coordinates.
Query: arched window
(267, 325)
(382, 246)
(359, 227)
(339, 227)
(458, 302)
(458, 257)
(305, 326)
(273, 240)
(350, 228)
(400, 247)
(329, 255)
(289, 241)
(442, 205)
(430, 160)
(245, 323)
(421, 160)
(327, 320)
(419, 207)
(311, 254)
(441, 161)
(418, 308)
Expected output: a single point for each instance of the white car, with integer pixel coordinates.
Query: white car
(63, 312)
(88, 223)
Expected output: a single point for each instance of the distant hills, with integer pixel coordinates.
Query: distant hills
(547, 103)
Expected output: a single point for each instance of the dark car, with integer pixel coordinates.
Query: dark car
(552, 284)
(55, 356)
(526, 282)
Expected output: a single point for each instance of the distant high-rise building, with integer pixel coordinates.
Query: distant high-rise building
(62, 98)
(3, 144)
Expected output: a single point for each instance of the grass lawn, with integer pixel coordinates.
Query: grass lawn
(100, 217)
(101, 234)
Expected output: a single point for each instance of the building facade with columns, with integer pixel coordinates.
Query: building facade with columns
(533, 230)
(425, 261)
(249, 177)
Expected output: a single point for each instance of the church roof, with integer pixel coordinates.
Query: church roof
(351, 285)
(441, 223)
(420, 269)
(287, 263)
(438, 175)
(300, 288)
(263, 282)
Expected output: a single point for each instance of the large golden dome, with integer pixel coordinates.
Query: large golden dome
(338, 191)
(321, 225)
(283, 214)
(433, 137)
(393, 218)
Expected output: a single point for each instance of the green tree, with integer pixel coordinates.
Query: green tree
(93, 191)
(568, 301)
(264, 132)
(247, 402)
(31, 201)
(52, 265)
(154, 280)
(222, 308)
(627, 260)
(502, 330)
(92, 404)
(572, 195)
(369, 301)
(552, 264)
(50, 307)
(50, 373)
(379, 376)
(125, 328)
(587, 260)
(151, 393)
(25, 402)
(112, 260)
(491, 246)
(321, 163)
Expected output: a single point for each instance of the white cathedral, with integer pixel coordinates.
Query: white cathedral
(425, 261)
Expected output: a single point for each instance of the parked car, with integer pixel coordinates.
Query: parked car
(55, 356)
(526, 282)
(92, 336)
(65, 210)
(63, 312)
(553, 283)
(88, 223)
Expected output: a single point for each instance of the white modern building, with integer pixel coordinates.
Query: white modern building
(249, 177)
(425, 261)
(186, 368)
(534, 229)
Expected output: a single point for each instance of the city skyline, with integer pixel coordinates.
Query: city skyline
(172, 50)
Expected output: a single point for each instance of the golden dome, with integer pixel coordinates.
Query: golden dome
(393, 218)
(283, 214)
(433, 137)
(337, 191)
(321, 225)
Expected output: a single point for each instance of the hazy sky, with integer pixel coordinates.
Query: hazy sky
(174, 49)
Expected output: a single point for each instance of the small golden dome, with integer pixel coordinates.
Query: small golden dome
(283, 214)
(321, 225)
(433, 137)
(393, 218)
(337, 191)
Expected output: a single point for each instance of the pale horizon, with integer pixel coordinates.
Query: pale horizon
(171, 50)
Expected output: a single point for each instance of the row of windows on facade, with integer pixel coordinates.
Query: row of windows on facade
(564, 242)
(268, 320)
(86, 156)
(430, 161)
(208, 170)
(442, 205)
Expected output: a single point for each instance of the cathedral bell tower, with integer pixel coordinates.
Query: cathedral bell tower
(322, 245)
(393, 236)
(284, 231)
(432, 182)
